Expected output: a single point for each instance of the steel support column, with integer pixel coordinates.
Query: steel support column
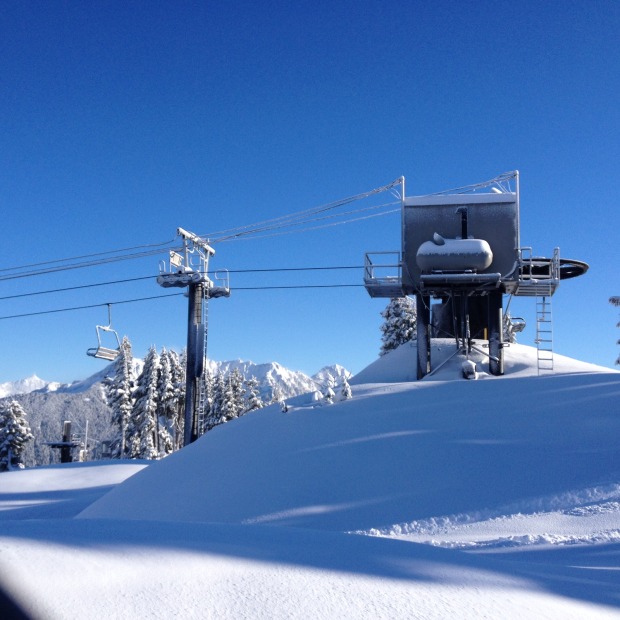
(192, 376)
(423, 307)
(496, 339)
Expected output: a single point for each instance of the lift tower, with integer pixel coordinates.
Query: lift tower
(189, 268)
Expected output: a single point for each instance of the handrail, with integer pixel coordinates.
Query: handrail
(370, 266)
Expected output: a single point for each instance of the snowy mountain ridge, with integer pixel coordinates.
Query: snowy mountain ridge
(23, 386)
(269, 375)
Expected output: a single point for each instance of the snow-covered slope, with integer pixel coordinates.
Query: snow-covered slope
(511, 483)
(396, 452)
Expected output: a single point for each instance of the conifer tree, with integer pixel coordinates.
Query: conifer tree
(232, 399)
(144, 420)
(328, 395)
(400, 323)
(345, 389)
(276, 395)
(14, 434)
(119, 388)
(237, 385)
(208, 401)
(177, 369)
(253, 399)
(218, 390)
(166, 405)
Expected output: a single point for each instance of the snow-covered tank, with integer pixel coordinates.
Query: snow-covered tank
(456, 255)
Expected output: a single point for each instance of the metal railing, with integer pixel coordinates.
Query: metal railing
(383, 274)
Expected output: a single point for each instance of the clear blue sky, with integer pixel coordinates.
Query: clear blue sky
(122, 121)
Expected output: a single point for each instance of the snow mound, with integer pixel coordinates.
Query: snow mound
(395, 453)
(520, 361)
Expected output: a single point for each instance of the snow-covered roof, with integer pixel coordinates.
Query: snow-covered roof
(460, 199)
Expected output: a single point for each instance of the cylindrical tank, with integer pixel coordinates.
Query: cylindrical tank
(454, 255)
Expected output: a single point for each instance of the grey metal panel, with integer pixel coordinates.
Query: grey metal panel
(492, 217)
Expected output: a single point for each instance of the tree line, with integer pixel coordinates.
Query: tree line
(148, 410)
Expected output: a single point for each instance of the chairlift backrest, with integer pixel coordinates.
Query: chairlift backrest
(101, 351)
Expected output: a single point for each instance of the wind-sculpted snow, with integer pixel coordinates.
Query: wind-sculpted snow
(587, 516)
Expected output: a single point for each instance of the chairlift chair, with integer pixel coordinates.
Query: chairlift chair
(101, 351)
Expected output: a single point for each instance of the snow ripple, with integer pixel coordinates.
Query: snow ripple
(579, 517)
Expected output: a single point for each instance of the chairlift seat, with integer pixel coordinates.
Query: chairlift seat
(100, 351)
(103, 353)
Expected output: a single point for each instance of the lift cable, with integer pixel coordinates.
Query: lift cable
(82, 265)
(85, 256)
(288, 232)
(137, 279)
(501, 181)
(102, 258)
(86, 307)
(292, 218)
(153, 297)
(76, 287)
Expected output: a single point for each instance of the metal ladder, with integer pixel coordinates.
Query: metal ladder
(544, 334)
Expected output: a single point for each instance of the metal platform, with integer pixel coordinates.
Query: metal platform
(181, 279)
(537, 277)
(382, 274)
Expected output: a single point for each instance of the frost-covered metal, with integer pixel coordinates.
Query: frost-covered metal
(463, 248)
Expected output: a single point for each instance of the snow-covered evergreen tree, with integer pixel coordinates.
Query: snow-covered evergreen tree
(177, 369)
(166, 404)
(119, 389)
(232, 401)
(228, 398)
(328, 392)
(216, 401)
(14, 434)
(345, 389)
(616, 302)
(144, 419)
(328, 395)
(276, 395)
(400, 323)
(253, 399)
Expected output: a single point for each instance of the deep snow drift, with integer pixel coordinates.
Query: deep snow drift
(511, 483)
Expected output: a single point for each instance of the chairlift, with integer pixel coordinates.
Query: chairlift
(100, 351)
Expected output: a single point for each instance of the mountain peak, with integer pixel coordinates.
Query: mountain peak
(22, 386)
